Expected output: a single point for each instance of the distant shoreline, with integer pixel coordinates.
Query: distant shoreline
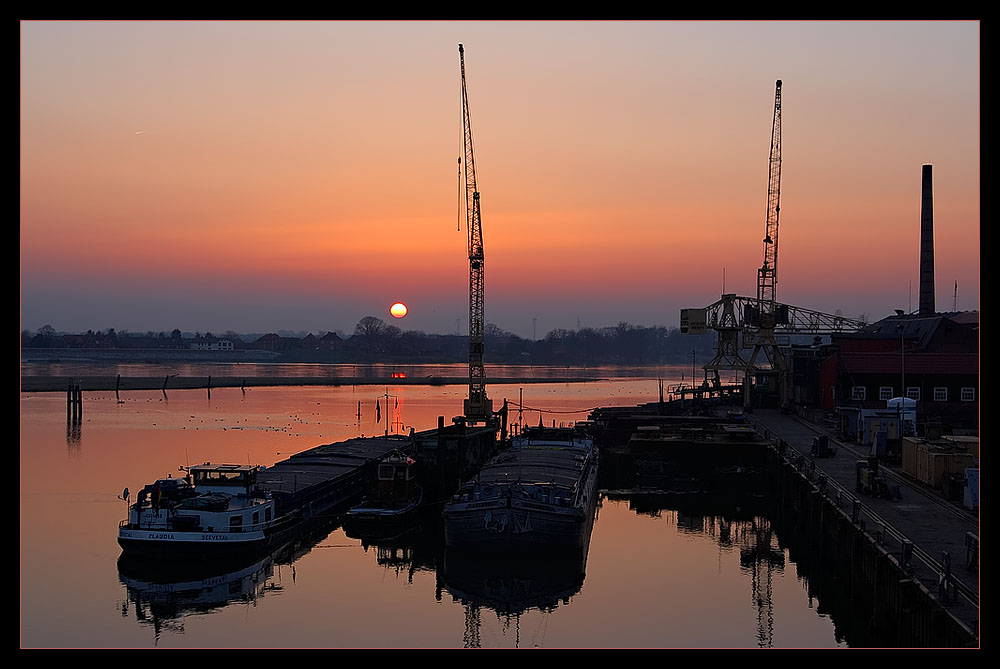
(92, 383)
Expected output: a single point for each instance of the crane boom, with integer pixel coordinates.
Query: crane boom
(767, 275)
(477, 407)
(767, 315)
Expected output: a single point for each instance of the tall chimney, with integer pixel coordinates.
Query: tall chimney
(927, 307)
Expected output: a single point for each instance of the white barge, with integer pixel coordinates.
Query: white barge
(216, 510)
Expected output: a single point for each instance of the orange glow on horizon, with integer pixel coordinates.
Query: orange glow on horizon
(246, 163)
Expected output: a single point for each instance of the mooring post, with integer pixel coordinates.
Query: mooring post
(118, 382)
(209, 387)
(442, 470)
(74, 401)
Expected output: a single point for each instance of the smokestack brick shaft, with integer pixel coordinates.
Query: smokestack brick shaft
(927, 306)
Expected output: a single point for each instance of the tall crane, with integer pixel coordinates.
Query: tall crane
(478, 407)
(757, 318)
(766, 314)
(767, 275)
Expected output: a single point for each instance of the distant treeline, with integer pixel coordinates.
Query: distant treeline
(373, 340)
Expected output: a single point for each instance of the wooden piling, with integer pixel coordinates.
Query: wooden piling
(74, 402)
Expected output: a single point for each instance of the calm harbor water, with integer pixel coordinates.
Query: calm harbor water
(656, 576)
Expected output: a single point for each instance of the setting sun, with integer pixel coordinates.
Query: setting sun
(398, 310)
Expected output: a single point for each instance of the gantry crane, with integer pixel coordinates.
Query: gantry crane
(758, 318)
(478, 407)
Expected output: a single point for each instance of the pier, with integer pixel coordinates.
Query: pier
(911, 562)
(914, 561)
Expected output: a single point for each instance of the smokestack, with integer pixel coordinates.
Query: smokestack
(927, 307)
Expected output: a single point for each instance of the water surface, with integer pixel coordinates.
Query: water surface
(652, 577)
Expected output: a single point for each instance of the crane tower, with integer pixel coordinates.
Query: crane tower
(767, 315)
(478, 407)
(756, 319)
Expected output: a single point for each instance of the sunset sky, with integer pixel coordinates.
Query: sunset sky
(257, 176)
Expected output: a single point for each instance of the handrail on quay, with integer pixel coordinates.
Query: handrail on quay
(949, 587)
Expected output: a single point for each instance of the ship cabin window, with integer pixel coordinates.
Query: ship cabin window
(235, 523)
(267, 515)
(214, 477)
(256, 517)
(217, 477)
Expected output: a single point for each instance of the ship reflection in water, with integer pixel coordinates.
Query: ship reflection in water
(510, 586)
(162, 595)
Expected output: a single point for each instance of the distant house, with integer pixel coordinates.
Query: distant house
(309, 342)
(331, 341)
(268, 342)
(210, 343)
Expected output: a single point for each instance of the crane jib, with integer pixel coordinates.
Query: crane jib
(478, 406)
